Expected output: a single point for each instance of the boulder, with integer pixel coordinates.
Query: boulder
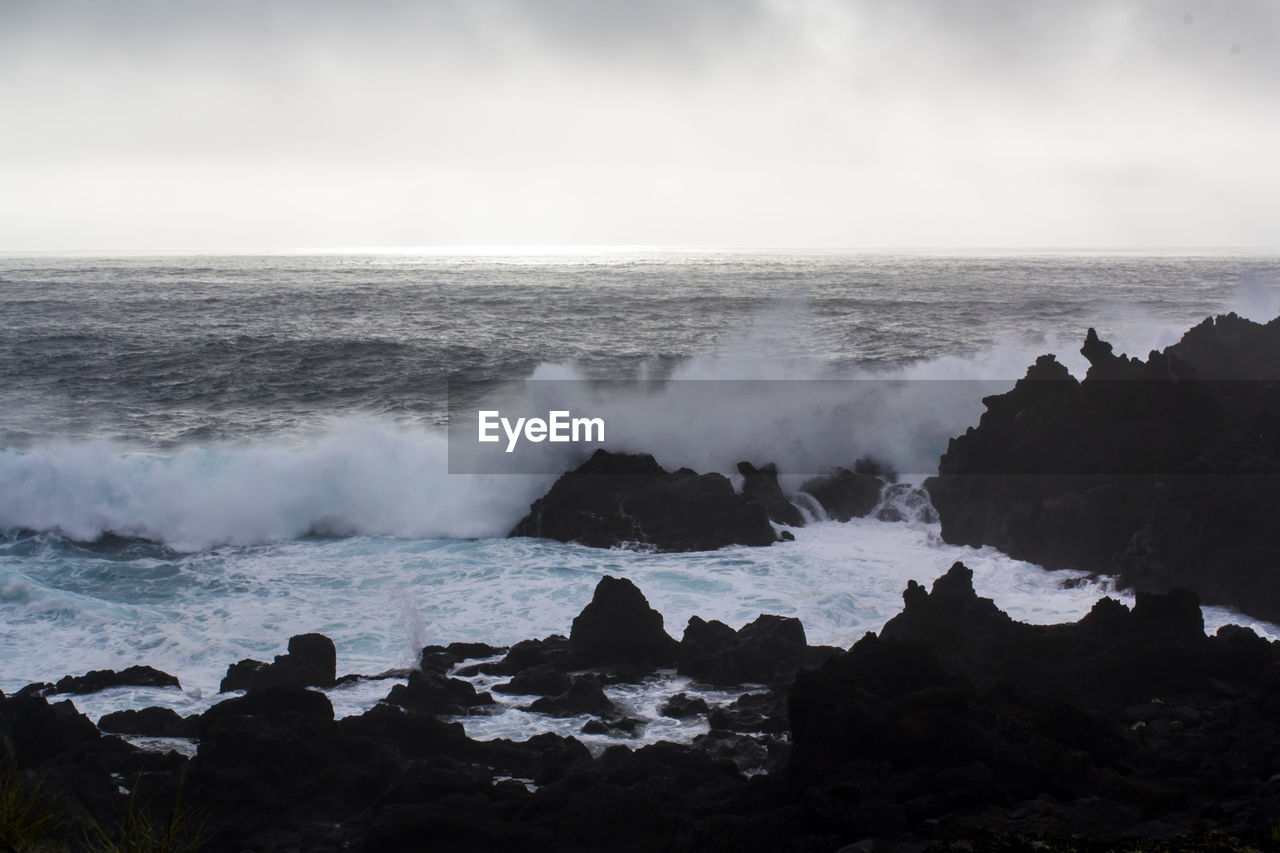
(614, 500)
(550, 651)
(541, 680)
(444, 658)
(150, 722)
(102, 679)
(429, 692)
(766, 651)
(268, 702)
(584, 696)
(846, 494)
(35, 730)
(310, 662)
(619, 627)
(682, 706)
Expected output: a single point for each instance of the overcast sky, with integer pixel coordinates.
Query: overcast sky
(228, 124)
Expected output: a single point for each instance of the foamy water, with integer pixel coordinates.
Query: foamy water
(269, 459)
(382, 599)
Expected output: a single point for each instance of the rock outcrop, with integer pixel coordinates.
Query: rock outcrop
(1165, 471)
(620, 500)
(760, 485)
(767, 651)
(846, 494)
(619, 627)
(311, 661)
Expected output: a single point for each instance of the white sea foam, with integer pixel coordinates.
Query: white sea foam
(371, 477)
(417, 561)
(381, 598)
(362, 477)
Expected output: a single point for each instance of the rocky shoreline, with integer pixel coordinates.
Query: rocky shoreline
(955, 726)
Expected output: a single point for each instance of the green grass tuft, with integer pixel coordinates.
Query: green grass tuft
(30, 820)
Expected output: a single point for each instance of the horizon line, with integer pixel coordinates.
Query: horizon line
(586, 249)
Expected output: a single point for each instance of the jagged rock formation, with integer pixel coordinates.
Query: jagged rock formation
(1165, 471)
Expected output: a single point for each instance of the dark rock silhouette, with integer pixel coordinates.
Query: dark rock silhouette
(766, 651)
(955, 728)
(584, 696)
(311, 661)
(539, 680)
(1165, 471)
(429, 692)
(444, 658)
(760, 485)
(269, 702)
(846, 494)
(550, 651)
(616, 499)
(102, 679)
(682, 706)
(619, 627)
(151, 722)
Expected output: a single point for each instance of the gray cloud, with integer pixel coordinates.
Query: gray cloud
(847, 122)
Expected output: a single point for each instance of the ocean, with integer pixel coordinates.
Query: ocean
(200, 456)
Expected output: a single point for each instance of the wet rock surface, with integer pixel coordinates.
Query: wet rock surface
(954, 728)
(845, 494)
(617, 499)
(310, 662)
(760, 485)
(105, 679)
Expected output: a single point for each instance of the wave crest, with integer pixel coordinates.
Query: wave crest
(358, 478)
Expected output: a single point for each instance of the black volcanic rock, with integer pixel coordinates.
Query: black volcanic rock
(766, 651)
(540, 680)
(1164, 471)
(151, 722)
(550, 651)
(1111, 656)
(311, 661)
(619, 627)
(584, 696)
(618, 499)
(34, 730)
(760, 485)
(957, 728)
(269, 702)
(429, 692)
(682, 706)
(1119, 714)
(846, 494)
(444, 658)
(752, 712)
(101, 679)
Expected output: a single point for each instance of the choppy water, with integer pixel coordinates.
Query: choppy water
(202, 456)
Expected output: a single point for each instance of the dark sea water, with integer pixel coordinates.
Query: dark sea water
(175, 432)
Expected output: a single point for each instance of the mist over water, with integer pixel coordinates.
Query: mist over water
(265, 435)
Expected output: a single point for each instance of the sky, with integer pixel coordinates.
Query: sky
(271, 124)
